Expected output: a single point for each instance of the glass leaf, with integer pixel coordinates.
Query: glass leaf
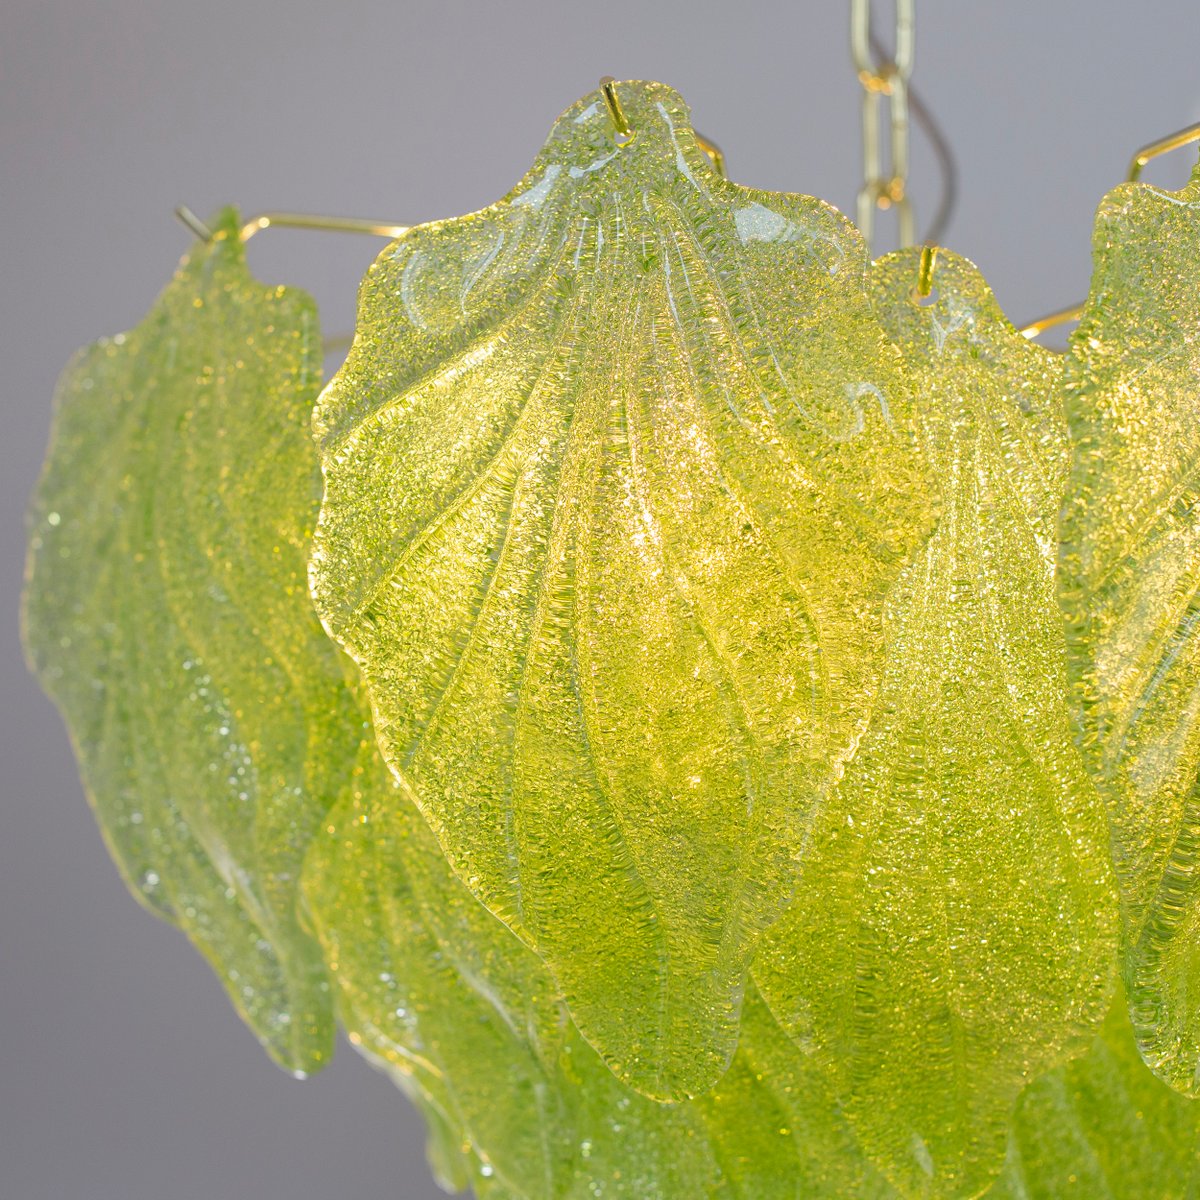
(954, 927)
(1103, 1126)
(167, 615)
(1130, 591)
(777, 1130)
(466, 1019)
(462, 1014)
(618, 473)
(434, 986)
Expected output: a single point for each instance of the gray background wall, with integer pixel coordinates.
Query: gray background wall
(124, 1074)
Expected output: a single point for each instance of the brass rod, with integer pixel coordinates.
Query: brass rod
(290, 220)
(193, 222)
(714, 152)
(1051, 320)
(608, 89)
(925, 267)
(1149, 152)
(1152, 150)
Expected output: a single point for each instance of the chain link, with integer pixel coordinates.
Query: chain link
(884, 79)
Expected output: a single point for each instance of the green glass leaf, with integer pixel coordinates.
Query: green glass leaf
(1103, 1128)
(1130, 581)
(433, 985)
(167, 615)
(430, 983)
(954, 927)
(458, 1009)
(777, 1130)
(618, 473)
(465, 1017)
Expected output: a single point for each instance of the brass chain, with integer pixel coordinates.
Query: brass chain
(882, 79)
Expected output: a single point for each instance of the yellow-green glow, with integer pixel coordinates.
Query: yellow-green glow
(701, 589)
(1129, 580)
(618, 473)
(953, 934)
(1103, 1126)
(166, 613)
(466, 1019)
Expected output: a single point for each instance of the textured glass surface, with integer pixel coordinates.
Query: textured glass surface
(953, 932)
(167, 614)
(1103, 1126)
(465, 1017)
(1130, 573)
(618, 472)
(702, 583)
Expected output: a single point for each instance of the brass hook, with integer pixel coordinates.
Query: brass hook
(925, 268)
(626, 132)
(714, 152)
(331, 345)
(616, 113)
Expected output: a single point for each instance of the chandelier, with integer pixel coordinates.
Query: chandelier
(710, 713)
